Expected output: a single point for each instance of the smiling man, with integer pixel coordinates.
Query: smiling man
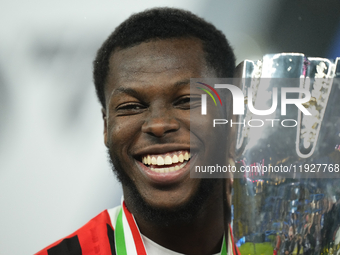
(142, 76)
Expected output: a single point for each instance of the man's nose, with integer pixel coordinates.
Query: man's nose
(160, 123)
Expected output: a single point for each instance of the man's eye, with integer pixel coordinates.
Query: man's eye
(188, 102)
(127, 109)
(130, 107)
(185, 100)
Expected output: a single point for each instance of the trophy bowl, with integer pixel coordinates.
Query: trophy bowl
(286, 199)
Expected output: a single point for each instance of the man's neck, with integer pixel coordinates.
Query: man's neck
(202, 235)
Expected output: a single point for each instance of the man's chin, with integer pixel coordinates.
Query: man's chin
(159, 213)
(169, 214)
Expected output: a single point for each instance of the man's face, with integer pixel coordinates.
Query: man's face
(147, 118)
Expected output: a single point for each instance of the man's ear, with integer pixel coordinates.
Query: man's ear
(232, 136)
(105, 126)
(228, 186)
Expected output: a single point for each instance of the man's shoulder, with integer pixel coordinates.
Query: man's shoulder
(95, 237)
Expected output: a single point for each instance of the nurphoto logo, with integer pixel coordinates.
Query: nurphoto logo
(239, 99)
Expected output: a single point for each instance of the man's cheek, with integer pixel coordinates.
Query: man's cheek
(117, 129)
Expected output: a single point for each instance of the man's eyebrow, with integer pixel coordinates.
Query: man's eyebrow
(122, 90)
(133, 92)
(182, 83)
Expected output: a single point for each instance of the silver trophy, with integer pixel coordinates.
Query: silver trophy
(289, 204)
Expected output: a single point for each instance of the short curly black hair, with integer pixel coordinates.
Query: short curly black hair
(164, 23)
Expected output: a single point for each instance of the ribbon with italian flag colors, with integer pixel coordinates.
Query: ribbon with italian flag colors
(129, 241)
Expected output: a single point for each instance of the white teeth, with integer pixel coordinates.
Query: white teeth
(186, 156)
(160, 161)
(167, 160)
(175, 159)
(154, 161)
(168, 169)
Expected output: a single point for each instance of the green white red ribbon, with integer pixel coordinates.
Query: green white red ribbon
(128, 239)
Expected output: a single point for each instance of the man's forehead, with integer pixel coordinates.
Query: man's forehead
(165, 50)
(177, 84)
(152, 60)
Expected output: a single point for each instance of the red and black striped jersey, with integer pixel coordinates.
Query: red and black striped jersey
(97, 237)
